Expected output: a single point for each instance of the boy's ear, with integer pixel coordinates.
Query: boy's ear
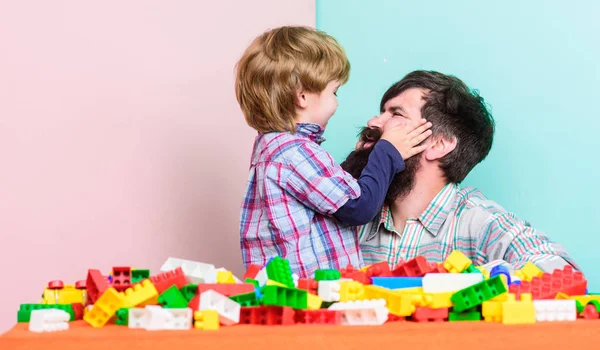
(301, 100)
(440, 146)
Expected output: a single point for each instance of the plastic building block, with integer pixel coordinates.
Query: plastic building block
(207, 320)
(457, 262)
(66, 294)
(397, 282)
(49, 320)
(555, 310)
(229, 310)
(140, 294)
(449, 282)
(425, 314)
(416, 267)
(467, 315)
(471, 269)
(247, 299)
(172, 298)
(176, 319)
(501, 270)
(96, 284)
(352, 290)
(225, 277)
(528, 272)
(518, 312)
(139, 275)
(121, 278)
(105, 307)
(278, 270)
(381, 269)
(393, 300)
(226, 289)
(273, 283)
(498, 262)
(308, 285)
(327, 275)
(476, 294)
(295, 278)
(362, 312)
(77, 311)
(491, 311)
(267, 315)
(138, 318)
(278, 296)
(313, 302)
(591, 311)
(24, 313)
(122, 317)
(189, 291)
(394, 318)
(566, 281)
(329, 290)
(252, 282)
(483, 271)
(412, 290)
(323, 316)
(164, 280)
(252, 271)
(261, 277)
(433, 300)
(194, 272)
(356, 275)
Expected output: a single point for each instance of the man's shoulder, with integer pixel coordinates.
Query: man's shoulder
(474, 206)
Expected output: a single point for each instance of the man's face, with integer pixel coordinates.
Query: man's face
(400, 109)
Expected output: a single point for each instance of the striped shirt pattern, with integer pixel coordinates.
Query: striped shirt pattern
(465, 220)
(294, 188)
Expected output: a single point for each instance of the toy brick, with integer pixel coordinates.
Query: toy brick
(121, 278)
(309, 285)
(140, 294)
(24, 313)
(457, 262)
(67, 294)
(229, 310)
(566, 281)
(467, 315)
(189, 291)
(139, 275)
(177, 319)
(252, 271)
(247, 299)
(225, 277)
(327, 275)
(528, 272)
(138, 318)
(267, 315)
(381, 269)
(393, 299)
(397, 282)
(226, 289)
(425, 314)
(122, 316)
(164, 280)
(591, 311)
(501, 270)
(356, 275)
(555, 310)
(491, 311)
(362, 312)
(329, 290)
(278, 270)
(207, 320)
(96, 285)
(352, 290)
(48, 320)
(416, 267)
(77, 311)
(172, 298)
(476, 294)
(278, 296)
(449, 282)
(322, 316)
(105, 307)
(313, 302)
(518, 312)
(193, 271)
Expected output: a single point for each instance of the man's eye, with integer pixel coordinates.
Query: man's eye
(335, 93)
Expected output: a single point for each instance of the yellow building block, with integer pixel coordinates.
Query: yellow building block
(314, 302)
(104, 308)
(457, 262)
(484, 272)
(225, 277)
(583, 299)
(141, 294)
(364, 269)
(410, 290)
(435, 300)
(492, 311)
(518, 312)
(392, 300)
(67, 295)
(528, 272)
(352, 290)
(562, 296)
(207, 320)
(274, 283)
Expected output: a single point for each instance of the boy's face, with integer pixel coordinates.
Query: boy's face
(320, 107)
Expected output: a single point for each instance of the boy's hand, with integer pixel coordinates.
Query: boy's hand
(407, 136)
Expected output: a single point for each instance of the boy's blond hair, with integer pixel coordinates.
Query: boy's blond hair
(276, 65)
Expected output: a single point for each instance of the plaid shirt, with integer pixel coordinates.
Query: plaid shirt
(464, 220)
(294, 188)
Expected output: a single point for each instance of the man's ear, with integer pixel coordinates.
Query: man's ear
(440, 146)
(301, 98)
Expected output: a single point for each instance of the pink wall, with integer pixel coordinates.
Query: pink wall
(121, 142)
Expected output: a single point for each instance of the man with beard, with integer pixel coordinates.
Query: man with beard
(426, 212)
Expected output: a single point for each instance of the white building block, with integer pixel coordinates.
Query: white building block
(138, 318)
(196, 272)
(295, 278)
(158, 318)
(261, 277)
(449, 282)
(555, 310)
(228, 310)
(362, 312)
(329, 291)
(49, 320)
(179, 319)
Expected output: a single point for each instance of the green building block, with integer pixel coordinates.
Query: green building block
(280, 296)
(278, 270)
(24, 313)
(327, 304)
(478, 293)
(139, 275)
(327, 275)
(472, 314)
(471, 269)
(579, 306)
(122, 317)
(189, 291)
(247, 299)
(172, 298)
(253, 282)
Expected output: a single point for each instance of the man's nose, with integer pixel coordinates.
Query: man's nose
(376, 122)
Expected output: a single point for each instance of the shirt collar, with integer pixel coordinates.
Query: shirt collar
(312, 131)
(432, 218)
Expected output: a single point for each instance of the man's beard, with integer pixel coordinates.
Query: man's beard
(402, 183)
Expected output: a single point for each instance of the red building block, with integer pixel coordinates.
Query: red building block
(226, 289)
(308, 285)
(194, 304)
(381, 269)
(165, 280)
(425, 314)
(547, 286)
(322, 316)
(121, 278)
(252, 272)
(267, 315)
(357, 275)
(96, 285)
(394, 318)
(78, 310)
(437, 268)
(416, 267)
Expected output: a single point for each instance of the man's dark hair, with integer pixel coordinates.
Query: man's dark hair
(455, 111)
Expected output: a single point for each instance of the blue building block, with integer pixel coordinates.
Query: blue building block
(501, 270)
(397, 282)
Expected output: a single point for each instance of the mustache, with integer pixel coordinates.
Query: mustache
(367, 134)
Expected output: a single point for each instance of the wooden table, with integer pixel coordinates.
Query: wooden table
(577, 335)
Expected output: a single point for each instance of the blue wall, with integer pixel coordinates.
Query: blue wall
(537, 63)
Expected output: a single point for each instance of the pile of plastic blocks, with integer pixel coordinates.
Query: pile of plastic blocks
(191, 295)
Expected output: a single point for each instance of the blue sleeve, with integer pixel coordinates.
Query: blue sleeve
(384, 163)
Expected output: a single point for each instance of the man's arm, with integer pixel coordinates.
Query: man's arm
(506, 237)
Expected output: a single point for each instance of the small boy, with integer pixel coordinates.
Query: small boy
(299, 204)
